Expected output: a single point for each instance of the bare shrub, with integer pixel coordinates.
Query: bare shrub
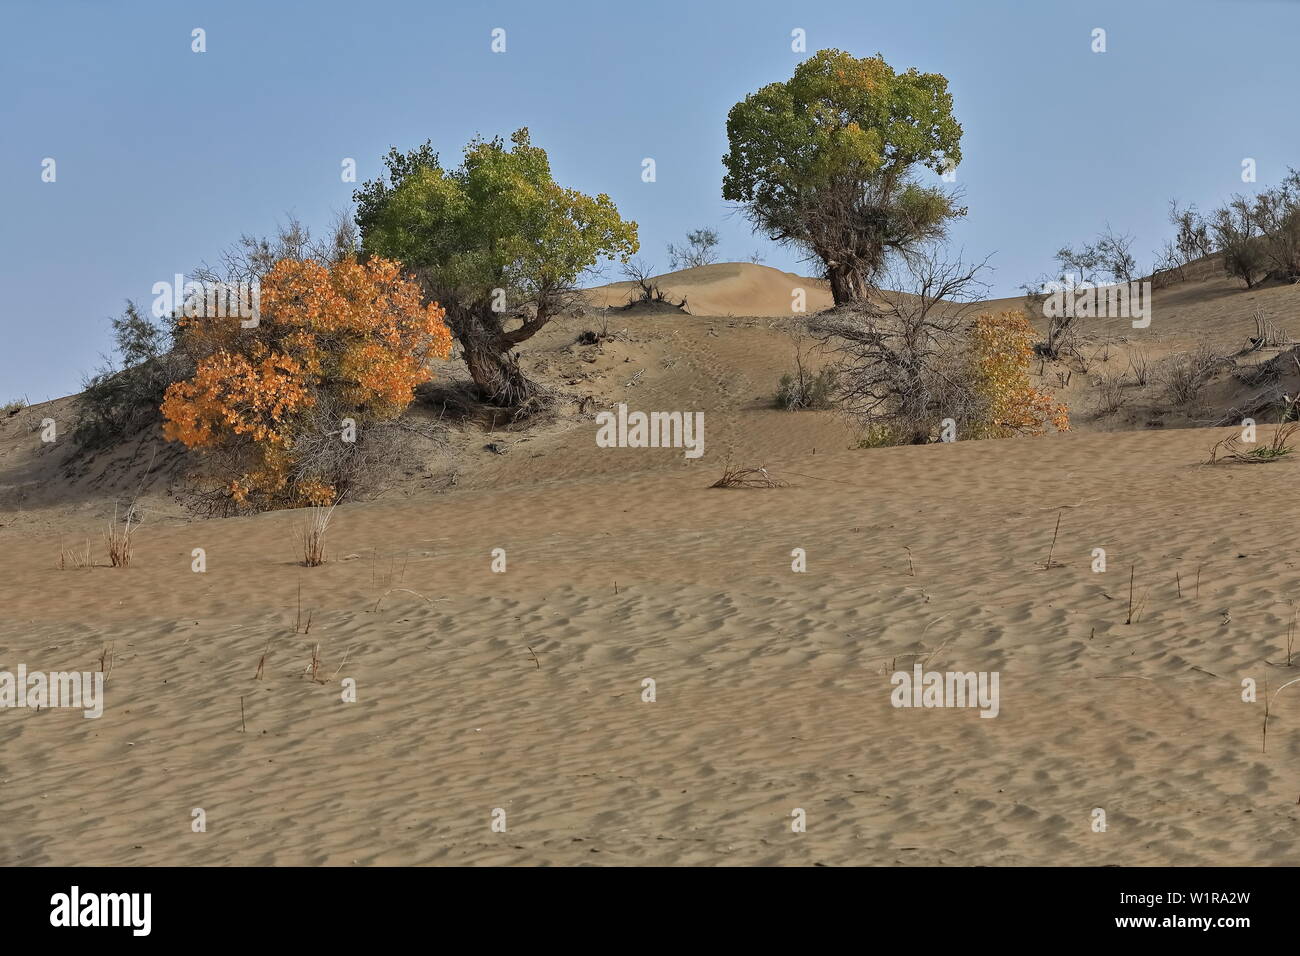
(1191, 242)
(698, 250)
(1110, 395)
(1140, 364)
(1277, 216)
(647, 288)
(900, 353)
(1185, 374)
(1062, 333)
(1108, 258)
(1258, 376)
(805, 389)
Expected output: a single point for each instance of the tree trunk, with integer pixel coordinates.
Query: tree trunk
(495, 371)
(846, 284)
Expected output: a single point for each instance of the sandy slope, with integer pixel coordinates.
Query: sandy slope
(522, 690)
(771, 685)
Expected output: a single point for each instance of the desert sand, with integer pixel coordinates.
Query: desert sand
(523, 691)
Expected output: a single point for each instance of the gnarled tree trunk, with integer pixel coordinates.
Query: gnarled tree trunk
(846, 284)
(495, 370)
(489, 351)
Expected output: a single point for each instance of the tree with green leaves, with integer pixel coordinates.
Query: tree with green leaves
(496, 242)
(827, 161)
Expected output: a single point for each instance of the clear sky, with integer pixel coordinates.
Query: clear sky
(165, 156)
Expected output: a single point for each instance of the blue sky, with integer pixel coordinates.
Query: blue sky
(165, 156)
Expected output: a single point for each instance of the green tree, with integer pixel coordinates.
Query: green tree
(495, 242)
(827, 160)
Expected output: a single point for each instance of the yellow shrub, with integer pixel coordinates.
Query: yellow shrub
(1001, 352)
(350, 340)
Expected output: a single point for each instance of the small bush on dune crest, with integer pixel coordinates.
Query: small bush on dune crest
(338, 347)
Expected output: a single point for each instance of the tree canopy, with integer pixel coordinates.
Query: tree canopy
(826, 161)
(492, 239)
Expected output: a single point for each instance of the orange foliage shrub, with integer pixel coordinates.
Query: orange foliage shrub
(1001, 352)
(350, 340)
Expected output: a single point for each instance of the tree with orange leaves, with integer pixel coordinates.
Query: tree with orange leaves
(1001, 351)
(287, 410)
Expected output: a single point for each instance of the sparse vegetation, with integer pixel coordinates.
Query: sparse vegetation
(118, 539)
(1140, 364)
(1236, 233)
(1185, 374)
(78, 559)
(1110, 395)
(1191, 241)
(122, 399)
(735, 477)
(1108, 259)
(1267, 335)
(901, 357)
(647, 288)
(1277, 217)
(915, 359)
(805, 389)
(1233, 448)
(312, 533)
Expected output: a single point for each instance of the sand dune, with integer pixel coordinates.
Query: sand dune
(727, 289)
(523, 691)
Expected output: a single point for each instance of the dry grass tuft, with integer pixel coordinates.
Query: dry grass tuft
(118, 539)
(107, 658)
(733, 477)
(1268, 710)
(312, 534)
(313, 666)
(70, 558)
